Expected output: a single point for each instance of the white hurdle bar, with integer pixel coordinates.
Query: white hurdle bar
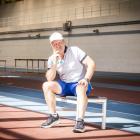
(91, 99)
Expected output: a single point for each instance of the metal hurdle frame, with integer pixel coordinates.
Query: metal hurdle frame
(38, 65)
(32, 65)
(27, 65)
(92, 99)
(5, 63)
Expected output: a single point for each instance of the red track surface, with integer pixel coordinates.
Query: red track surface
(23, 124)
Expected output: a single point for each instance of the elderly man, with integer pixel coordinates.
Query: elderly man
(70, 64)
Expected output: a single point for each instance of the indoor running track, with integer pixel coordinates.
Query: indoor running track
(120, 115)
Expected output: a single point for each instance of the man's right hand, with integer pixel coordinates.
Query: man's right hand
(56, 56)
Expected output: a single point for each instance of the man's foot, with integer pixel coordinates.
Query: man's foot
(79, 127)
(51, 121)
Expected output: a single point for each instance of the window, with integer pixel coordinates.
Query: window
(10, 1)
(18, 0)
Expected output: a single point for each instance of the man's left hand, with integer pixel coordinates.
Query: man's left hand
(83, 82)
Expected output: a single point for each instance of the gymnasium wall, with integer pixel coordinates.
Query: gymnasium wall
(114, 49)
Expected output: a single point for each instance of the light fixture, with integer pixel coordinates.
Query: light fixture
(67, 25)
(38, 35)
(96, 31)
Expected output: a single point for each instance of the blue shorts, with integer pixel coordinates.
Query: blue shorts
(69, 89)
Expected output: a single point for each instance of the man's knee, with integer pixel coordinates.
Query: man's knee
(47, 85)
(52, 86)
(81, 89)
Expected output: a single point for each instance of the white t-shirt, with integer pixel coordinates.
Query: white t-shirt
(70, 68)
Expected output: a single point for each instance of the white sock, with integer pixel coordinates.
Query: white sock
(54, 114)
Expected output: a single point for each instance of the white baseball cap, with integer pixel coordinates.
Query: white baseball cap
(56, 36)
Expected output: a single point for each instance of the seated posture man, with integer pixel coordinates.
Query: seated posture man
(70, 63)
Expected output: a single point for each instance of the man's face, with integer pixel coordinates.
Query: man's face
(59, 45)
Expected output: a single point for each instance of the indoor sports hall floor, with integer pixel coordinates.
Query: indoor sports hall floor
(23, 109)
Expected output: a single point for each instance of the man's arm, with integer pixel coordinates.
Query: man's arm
(51, 73)
(90, 70)
(90, 67)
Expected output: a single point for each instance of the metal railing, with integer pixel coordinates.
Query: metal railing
(107, 9)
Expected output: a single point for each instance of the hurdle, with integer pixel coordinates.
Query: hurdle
(5, 63)
(27, 60)
(91, 99)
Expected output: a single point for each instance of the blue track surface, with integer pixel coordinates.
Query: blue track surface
(133, 88)
(120, 115)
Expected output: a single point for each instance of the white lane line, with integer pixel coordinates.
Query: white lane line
(21, 87)
(124, 87)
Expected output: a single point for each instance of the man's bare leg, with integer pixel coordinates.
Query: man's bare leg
(82, 101)
(49, 89)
